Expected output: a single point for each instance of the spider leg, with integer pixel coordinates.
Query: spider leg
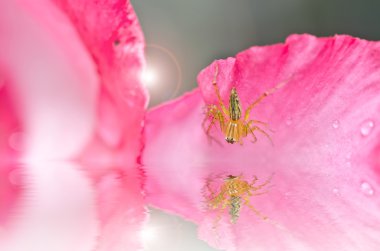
(207, 130)
(257, 212)
(219, 199)
(218, 113)
(262, 123)
(241, 132)
(222, 121)
(262, 96)
(253, 128)
(218, 218)
(217, 202)
(214, 116)
(255, 188)
(220, 207)
(253, 181)
(225, 203)
(224, 109)
(253, 135)
(248, 128)
(256, 194)
(208, 186)
(208, 114)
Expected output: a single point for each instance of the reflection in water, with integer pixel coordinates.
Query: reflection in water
(56, 211)
(10, 190)
(65, 207)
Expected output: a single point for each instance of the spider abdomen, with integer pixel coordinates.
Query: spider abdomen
(235, 202)
(234, 107)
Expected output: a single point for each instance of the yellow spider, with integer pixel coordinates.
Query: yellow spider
(232, 193)
(231, 123)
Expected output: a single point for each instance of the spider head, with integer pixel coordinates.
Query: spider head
(232, 133)
(230, 140)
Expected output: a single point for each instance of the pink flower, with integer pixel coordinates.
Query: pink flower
(72, 92)
(325, 159)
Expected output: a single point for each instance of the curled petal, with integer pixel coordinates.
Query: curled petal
(46, 111)
(112, 34)
(53, 78)
(75, 76)
(324, 161)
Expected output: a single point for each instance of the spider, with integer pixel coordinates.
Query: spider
(232, 193)
(231, 123)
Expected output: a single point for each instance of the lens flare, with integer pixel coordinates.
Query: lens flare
(149, 77)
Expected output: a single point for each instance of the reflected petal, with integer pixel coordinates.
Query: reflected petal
(58, 211)
(11, 146)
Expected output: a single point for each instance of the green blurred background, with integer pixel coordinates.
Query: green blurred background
(199, 31)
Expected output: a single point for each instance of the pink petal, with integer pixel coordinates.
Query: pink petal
(53, 77)
(325, 157)
(41, 94)
(46, 112)
(10, 146)
(112, 34)
(80, 97)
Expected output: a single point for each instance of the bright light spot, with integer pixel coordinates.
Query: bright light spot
(149, 77)
(148, 234)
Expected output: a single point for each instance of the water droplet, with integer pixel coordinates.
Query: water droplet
(336, 191)
(289, 121)
(15, 141)
(367, 189)
(366, 127)
(348, 164)
(335, 124)
(348, 156)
